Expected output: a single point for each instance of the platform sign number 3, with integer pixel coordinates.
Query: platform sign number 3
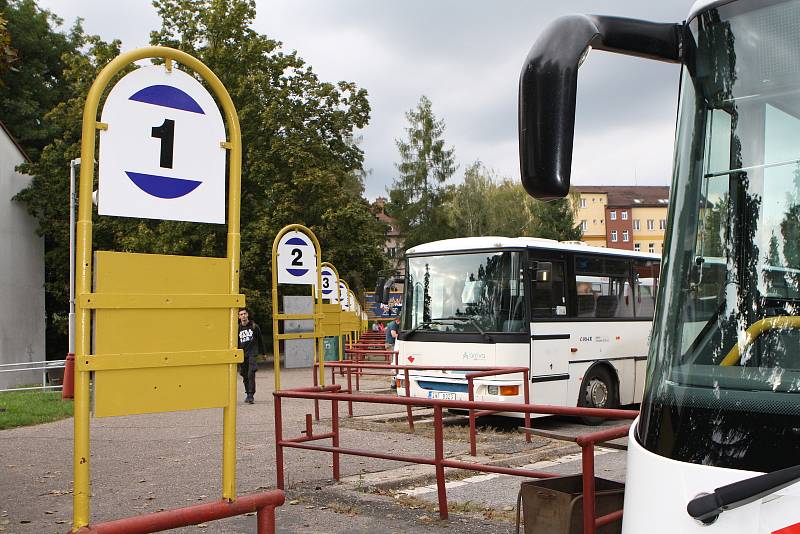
(297, 259)
(161, 153)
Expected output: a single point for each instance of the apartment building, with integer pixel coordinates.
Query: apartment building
(624, 217)
(393, 243)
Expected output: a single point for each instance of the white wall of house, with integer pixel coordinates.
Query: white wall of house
(22, 313)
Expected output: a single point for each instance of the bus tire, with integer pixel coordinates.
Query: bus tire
(598, 390)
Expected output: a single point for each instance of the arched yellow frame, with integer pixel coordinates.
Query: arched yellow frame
(316, 316)
(83, 259)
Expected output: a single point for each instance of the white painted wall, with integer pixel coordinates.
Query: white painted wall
(22, 313)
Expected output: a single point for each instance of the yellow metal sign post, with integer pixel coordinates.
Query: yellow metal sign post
(332, 312)
(125, 320)
(305, 272)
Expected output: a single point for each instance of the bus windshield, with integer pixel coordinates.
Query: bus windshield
(474, 292)
(723, 384)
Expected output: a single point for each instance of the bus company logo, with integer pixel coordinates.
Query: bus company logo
(473, 356)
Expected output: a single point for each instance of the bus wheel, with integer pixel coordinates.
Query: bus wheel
(598, 391)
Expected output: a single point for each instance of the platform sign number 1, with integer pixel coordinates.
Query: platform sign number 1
(161, 156)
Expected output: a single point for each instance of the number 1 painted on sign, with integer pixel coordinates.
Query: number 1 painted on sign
(165, 132)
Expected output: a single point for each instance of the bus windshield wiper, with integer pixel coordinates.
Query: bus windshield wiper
(470, 320)
(707, 507)
(420, 326)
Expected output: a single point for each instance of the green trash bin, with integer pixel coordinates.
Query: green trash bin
(331, 349)
(555, 505)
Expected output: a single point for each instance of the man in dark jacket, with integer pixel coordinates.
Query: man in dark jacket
(251, 342)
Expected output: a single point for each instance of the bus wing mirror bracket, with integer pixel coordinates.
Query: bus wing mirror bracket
(544, 271)
(548, 87)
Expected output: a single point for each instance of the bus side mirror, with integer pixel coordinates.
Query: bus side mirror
(548, 86)
(544, 272)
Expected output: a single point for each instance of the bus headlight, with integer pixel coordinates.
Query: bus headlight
(504, 391)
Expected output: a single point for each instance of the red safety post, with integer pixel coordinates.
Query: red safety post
(68, 383)
(409, 415)
(587, 455)
(527, 398)
(438, 436)
(473, 438)
(262, 503)
(278, 442)
(335, 438)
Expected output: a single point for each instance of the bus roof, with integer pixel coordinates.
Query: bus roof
(466, 244)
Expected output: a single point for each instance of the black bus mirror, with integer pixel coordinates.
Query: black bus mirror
(548, 86)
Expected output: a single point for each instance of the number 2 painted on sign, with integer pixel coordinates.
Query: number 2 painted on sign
(165, 132)
(298, 254)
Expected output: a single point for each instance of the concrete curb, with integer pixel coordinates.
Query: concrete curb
(423, 475)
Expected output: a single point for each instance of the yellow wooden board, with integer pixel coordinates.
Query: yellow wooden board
(331, 315)
(135, 335)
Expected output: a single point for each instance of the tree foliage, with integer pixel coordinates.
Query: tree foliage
(8, 54)
(485, 204)
(34, 82)
(418, 196)
(301, 163)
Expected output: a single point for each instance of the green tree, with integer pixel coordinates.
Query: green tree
(301, 162)
(8, 54)
(419, 195)
(48, 195)
(555, 219)
(36, 83)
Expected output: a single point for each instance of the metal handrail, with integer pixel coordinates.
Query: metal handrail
(44, 366)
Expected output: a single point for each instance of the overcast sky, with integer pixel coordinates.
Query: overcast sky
(466, 57)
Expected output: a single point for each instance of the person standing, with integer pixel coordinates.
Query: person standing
(392, 331)
(251, 342)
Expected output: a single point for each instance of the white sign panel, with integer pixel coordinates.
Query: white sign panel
(160, 157)
(297, 259)
(344, 297)
(329, 285)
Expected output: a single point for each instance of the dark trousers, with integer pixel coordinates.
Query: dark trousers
(248, 370)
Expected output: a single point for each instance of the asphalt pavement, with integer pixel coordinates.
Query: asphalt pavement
(145, 463)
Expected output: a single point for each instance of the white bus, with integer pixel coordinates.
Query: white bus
(717, 445)
(577, 316)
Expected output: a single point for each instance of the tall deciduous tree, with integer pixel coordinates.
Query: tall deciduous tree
(8, 54)
(301, 162)
(418, 196)
(35, 83)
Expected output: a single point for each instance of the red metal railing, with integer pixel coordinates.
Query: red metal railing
(473, 372)
(333, 393)
(262, 503)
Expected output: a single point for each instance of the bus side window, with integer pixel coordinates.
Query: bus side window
(548, 298)
(645, 279)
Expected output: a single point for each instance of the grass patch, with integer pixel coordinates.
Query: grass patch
(23, 408)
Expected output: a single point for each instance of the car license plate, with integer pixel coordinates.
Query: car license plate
(442, 395)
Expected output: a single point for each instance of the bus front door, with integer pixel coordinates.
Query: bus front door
(550, 340)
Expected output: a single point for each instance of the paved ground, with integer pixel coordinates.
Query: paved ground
(150, 462)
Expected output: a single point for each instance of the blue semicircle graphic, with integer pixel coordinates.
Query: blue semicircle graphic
(168, 97)
(163, 186)
(296, 241)
(297, 272)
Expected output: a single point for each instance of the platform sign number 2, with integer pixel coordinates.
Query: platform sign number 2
(161, 155)
(297, 259)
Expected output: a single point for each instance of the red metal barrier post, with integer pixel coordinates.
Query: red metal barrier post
(262, 503)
